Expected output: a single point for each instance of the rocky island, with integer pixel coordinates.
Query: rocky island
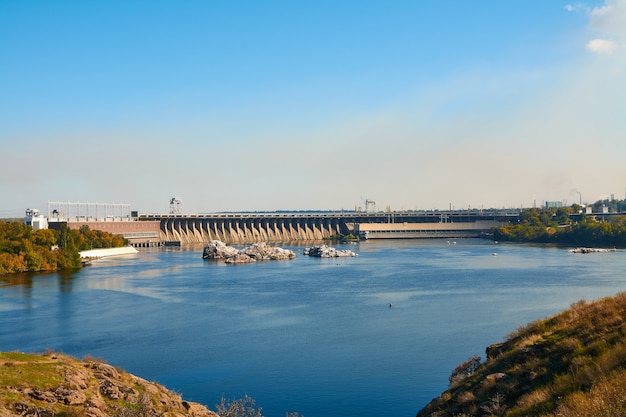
(325, 251)
(218, 250)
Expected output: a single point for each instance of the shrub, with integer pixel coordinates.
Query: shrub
(464, 370)
(243, 407)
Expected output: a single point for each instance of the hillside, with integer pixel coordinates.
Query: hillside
(570, 364)
(54, 384)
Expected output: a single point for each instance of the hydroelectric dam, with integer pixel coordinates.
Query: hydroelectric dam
(244, 228)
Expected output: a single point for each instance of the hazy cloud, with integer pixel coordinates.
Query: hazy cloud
(578, 7)
(610, 18)
(609, 21)
(602, 46)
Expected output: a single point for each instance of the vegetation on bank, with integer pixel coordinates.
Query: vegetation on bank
(338, 237)
(570, 364)
(549, 225)
(23, 249)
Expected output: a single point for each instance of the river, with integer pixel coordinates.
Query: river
(372, 335)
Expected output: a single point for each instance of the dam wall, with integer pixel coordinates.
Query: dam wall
(425, 230)
(244, 228)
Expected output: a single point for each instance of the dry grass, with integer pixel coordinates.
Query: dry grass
(533, 399)
(557, 366)
(607, 398)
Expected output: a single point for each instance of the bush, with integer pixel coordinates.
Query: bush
(243, 407)
(464, 370)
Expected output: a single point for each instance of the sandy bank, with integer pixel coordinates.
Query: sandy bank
(101, 253)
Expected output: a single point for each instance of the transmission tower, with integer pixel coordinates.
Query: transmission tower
(176, 205)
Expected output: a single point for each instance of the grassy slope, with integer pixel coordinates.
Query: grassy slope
(571, 364)
(53, 384)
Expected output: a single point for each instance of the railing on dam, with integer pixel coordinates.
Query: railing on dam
(240, 228)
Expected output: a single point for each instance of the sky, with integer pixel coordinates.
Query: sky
(311, 105)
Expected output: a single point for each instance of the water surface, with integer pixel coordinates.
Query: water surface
(311, 335)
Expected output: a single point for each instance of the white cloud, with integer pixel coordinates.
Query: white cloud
(576, 7)
(602, 46)
(609, 21)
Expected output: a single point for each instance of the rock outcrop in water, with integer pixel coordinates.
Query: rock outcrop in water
(218, 250)
(592, 250)
(325, 251)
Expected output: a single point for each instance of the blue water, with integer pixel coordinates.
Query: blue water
(311, 335)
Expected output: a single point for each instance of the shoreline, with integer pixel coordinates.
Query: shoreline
(106, 252)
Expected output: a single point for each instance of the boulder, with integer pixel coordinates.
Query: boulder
(325, 251)
(70, 396)
(240, 258)
(263, 252)
(110, 390)
(216, 250)
(77, 378)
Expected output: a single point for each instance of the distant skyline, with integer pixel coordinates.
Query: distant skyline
(293, 105)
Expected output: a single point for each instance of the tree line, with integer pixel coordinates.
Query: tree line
(554, 225)
(23, 249)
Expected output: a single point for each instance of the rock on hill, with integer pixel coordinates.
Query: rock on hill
(54, 384)
(570, 364)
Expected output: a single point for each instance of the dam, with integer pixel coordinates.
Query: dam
(243, 228)
(175, 228)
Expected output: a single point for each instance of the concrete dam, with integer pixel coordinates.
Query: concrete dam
(244, 228)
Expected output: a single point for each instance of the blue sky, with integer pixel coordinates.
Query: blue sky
(281, 105)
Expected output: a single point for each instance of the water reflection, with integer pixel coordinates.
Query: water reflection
(66, 280)
(25, 280)
(290, 333)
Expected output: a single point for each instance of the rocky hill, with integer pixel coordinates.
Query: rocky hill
(54, 384)
(570, 364)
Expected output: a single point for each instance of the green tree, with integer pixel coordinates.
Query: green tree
(561, 216)
(64, 239)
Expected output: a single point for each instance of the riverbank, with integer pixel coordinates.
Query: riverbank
(106, 252)
(58, 384)
(571, 363)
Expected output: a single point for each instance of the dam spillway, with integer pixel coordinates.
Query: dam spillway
(244, 228)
